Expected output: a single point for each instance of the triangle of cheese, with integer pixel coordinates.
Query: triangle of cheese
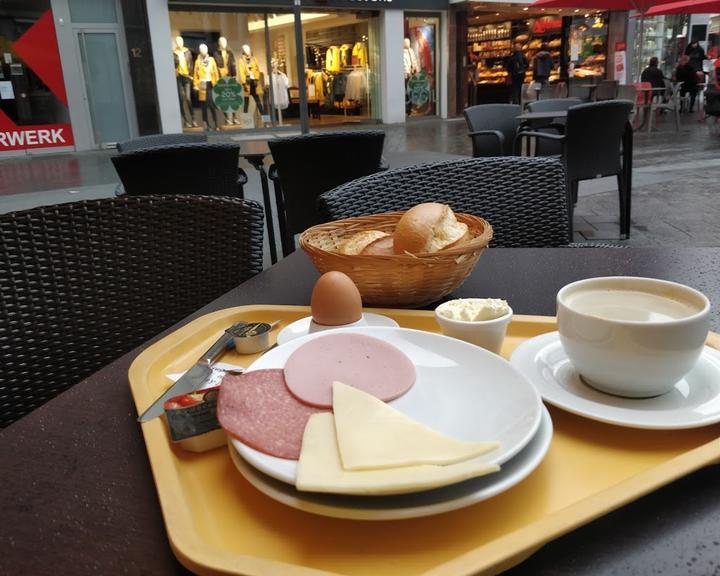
(373, 435)
(320, 470)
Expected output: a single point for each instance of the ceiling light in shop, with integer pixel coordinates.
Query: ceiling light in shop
(577, 9)
(525, 9)
(284, 19)
(587, 15)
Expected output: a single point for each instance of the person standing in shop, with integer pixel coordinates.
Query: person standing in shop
(517, 65)
(542, 65)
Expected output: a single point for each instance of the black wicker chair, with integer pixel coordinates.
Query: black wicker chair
(84, 283)
(492, 128)
(199, 168)
(159, 140)
(591, 148)
(524, 199)
(306, 166)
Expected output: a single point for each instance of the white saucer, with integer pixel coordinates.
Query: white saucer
(694, 402)
(304, 326)
(407, 505)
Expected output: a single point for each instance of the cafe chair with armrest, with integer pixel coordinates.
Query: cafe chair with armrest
(84, 283)
(606, 90)
(492, 128)
(190, 168)
(306, 166)
(556, 125)
(523, 198)
(591, 148)
(671, 103)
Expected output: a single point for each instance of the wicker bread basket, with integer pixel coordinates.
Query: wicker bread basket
(396, 280)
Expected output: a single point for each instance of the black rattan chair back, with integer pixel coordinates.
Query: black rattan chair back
(312, 164)
(493, 120)
(545, 148)
(84, 283)
(200, 169)
(594, 134)
(155, 140)
(523, 198)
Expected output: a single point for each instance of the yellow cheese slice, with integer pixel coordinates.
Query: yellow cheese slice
(372, 435)
(319, 468)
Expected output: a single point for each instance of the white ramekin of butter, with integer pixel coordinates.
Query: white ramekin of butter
(480, 321)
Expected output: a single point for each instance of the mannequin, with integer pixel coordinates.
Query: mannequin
(410, 59)
(249, 76)
(205, 77)
(225, 61)
(183, 76)
(280, 89)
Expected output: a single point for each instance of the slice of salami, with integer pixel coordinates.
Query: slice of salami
(258, 410)
(364, 362)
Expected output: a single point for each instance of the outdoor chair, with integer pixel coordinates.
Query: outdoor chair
(492, 128)
(671, 104)
(156, 140)
(576, 90)
(84, 283)
(524, 199)
(606, 90)
(306, 166)
(556, 125)
(629, 92)
(712, 102)
(591, 148)
(195, 168)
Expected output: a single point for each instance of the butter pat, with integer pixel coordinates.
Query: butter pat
(474, 309)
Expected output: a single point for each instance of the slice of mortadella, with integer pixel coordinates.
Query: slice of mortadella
(365, 362)
(257, 409)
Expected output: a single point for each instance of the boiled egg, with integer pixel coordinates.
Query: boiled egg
(335, 300)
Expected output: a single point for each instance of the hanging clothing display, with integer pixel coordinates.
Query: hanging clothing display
(280, 84)
(225, 61)
(346, 55)
(359, 54)
(422, 48)
(315, 82)
(332, 59)
(356, 86)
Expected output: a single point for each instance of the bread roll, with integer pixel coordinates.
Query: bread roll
(380, 247)
(359, 241)
(428, 227)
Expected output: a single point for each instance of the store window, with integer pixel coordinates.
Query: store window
(587, 47)
(33, 103)
(665, 38)
(238, 70)
(421, 64)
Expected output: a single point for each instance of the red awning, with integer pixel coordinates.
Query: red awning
(686, 7)
(641, 6)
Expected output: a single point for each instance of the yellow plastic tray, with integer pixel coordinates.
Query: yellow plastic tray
(218, 523)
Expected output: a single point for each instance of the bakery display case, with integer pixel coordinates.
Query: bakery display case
(587, 48)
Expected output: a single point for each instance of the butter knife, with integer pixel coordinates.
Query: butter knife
(193, 378)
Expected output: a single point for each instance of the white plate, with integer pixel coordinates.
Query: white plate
(461, 390)
(694, 402)
(407, 505)
(302, 327)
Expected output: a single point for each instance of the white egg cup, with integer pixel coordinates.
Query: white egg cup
(315, 327)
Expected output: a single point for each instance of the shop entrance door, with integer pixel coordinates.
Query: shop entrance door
(106, 86)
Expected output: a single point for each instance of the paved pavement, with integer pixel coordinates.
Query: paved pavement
(676, 180)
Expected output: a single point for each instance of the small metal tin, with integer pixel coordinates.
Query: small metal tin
(251, 338)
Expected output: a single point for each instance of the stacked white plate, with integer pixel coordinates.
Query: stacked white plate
(462, 391)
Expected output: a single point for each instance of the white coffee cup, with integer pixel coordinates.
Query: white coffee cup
(634, 337)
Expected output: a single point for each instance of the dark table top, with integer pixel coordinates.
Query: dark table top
(549, 115)
(78, 495)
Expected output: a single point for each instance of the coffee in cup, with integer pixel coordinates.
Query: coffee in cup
(634, 337)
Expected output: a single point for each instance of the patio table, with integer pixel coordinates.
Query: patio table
(78, 494)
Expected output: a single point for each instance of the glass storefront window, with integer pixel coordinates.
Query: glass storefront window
(33, 102)
(238, 70)
(587, 47)
(420, 64)
(665, 38)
